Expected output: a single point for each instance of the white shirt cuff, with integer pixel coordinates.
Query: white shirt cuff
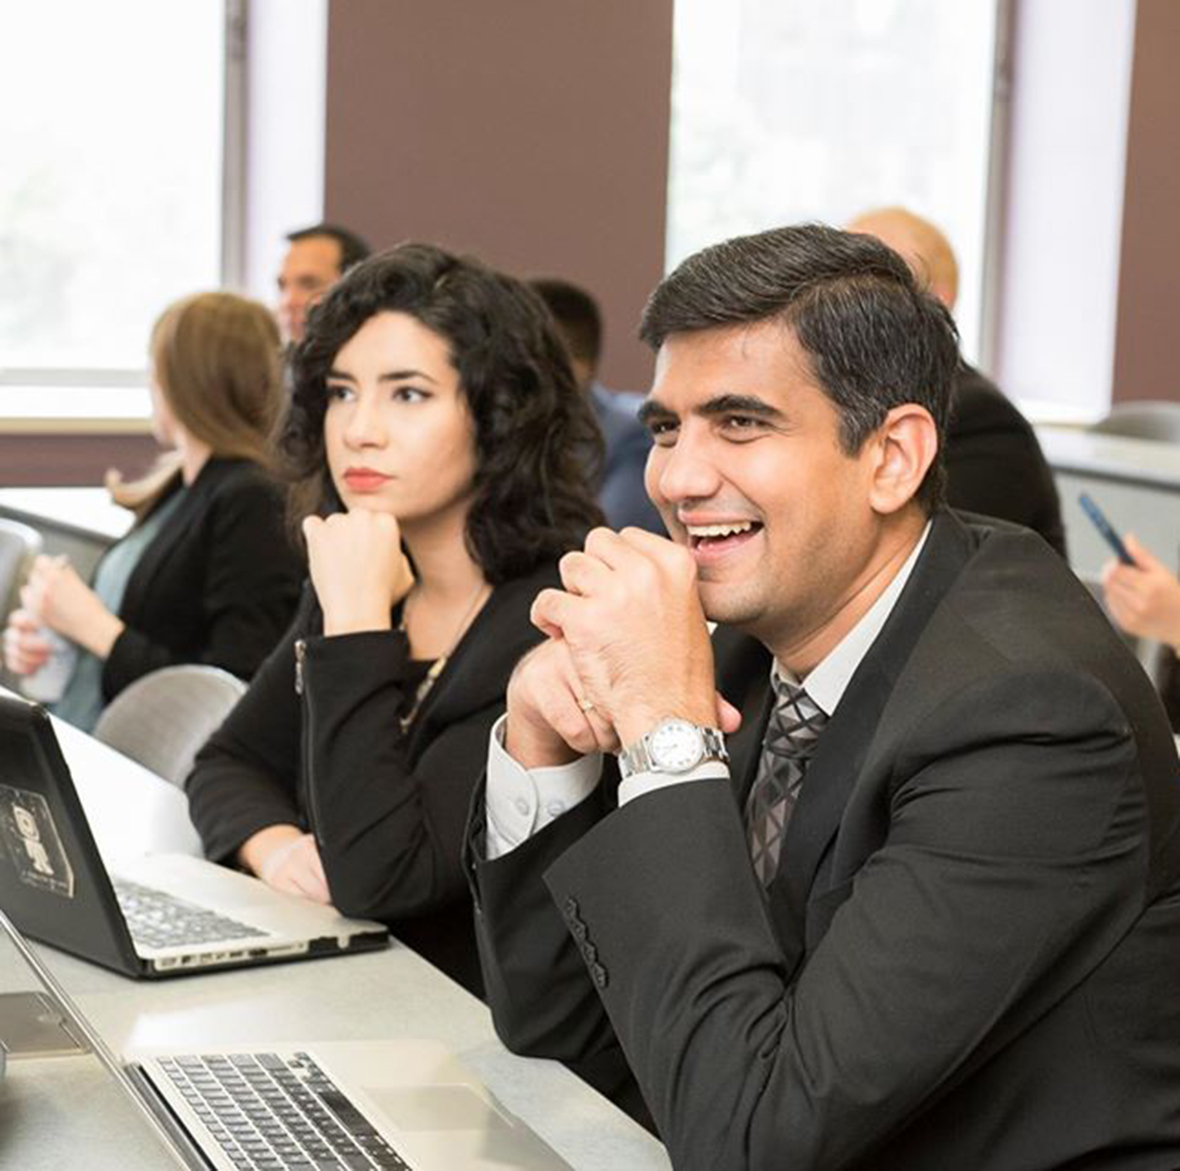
(521, 802)
(639, 783)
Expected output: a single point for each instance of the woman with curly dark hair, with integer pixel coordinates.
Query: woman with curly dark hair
(440, 457)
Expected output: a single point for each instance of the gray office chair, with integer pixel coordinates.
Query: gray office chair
(162, 720)
(19, 544)
(1156, 419)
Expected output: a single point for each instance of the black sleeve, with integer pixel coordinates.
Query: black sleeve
(245, 778)
(249, 588)
(389, 823)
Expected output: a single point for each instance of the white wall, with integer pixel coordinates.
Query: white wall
(1067, 141)
(287, 70)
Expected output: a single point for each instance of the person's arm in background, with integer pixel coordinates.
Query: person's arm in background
(1144, 598)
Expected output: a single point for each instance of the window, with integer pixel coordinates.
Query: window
(790, 110)
(111, 192)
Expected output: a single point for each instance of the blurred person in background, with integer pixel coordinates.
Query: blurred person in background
(621, 494)
(207, 573)
(317, 257)
(1144, 600)
(994, 464)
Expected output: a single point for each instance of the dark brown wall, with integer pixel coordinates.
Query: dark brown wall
(532, 133)
(50, 460)
(1145, 358)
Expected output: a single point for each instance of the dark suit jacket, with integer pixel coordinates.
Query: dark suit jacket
(969, 955)
(218, 584)
(387, 809)
(994, 464)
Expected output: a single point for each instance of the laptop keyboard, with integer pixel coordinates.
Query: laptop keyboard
(156, 919)
(270, 1113)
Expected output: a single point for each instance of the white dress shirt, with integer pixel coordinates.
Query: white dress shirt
(521, 802)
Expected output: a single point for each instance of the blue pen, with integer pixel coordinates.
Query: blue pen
(1105, 528)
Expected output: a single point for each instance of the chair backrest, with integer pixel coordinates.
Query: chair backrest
(1156, 419)
(162, 719)
(19, 544)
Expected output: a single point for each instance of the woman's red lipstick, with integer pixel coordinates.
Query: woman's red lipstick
(365, 479)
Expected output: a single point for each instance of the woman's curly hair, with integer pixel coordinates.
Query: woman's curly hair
(538, 449)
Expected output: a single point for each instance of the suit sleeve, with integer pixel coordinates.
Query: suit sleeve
(1013, 862)
(388, 817)
(538, 976)
(248, 588)
(245, 778)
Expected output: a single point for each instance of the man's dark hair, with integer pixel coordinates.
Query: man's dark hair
(537, 446)
(875, 339)
(577, 316)
(352, 248)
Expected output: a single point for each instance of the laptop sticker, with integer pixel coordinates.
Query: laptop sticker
(28, 830)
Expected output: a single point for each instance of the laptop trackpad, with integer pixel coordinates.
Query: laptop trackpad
(454, 1107)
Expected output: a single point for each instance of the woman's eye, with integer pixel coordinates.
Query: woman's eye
(409, 394)
(339, 393)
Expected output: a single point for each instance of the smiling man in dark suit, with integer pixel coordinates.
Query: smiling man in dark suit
(927, 914)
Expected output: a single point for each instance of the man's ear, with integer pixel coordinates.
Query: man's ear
(904, 447)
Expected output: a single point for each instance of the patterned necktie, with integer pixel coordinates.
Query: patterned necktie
(791, 733)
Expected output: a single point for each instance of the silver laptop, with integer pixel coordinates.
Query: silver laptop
(351, 1105)
(162, 914)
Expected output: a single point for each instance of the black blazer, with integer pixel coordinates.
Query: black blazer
(969, 955)
(218, 584)
(994, 464)
(387, 809)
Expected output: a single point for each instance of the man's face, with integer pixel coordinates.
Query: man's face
(748, 471)
(309, 269)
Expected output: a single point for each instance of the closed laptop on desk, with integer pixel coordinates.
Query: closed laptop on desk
(164, 914)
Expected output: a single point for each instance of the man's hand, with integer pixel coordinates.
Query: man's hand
(58, 598)
(1144, 598)
(358, 569)
(285, 857)
(549, 722)
(631, 620)
(25, 647)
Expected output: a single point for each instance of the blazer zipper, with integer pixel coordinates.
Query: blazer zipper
(301, 690)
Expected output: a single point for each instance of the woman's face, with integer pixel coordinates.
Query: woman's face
(397, 431)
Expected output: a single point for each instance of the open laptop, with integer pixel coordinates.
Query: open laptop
(163, 914)
(390, 1105)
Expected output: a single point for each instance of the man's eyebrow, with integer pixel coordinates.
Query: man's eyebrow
(652, 408)
(388, 376)
(744, 404)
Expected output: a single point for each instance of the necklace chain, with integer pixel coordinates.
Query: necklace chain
(425, 687)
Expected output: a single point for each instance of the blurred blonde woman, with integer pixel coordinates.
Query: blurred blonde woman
(206, 574)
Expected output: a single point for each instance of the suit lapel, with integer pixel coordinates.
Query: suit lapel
(840, 754)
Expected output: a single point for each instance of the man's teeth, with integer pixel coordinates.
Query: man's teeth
(719, 530)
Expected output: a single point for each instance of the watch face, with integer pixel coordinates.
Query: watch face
(675, 746)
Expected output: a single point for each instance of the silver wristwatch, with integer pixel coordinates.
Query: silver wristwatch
(673, 746)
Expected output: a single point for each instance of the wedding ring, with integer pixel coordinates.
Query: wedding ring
(587, 705)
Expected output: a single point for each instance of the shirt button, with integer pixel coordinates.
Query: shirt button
(555, 808)
(522, 807)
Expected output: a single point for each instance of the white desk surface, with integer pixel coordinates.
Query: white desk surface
(1139, 461)
(63, 1113)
